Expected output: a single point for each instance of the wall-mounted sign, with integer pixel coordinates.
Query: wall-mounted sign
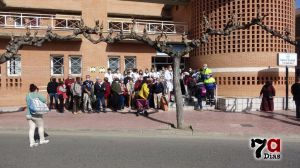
(287, 59)
(97, 69)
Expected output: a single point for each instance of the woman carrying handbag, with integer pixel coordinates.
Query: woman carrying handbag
(36, 106)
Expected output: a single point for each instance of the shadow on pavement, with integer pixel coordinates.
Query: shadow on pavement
(148, 117)
(272, 115)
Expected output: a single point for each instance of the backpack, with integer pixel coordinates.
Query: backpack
(36, 106)
(76, 89)
(203, 91)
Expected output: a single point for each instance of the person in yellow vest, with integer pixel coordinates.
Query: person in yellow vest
(206, 72)
(210, 85)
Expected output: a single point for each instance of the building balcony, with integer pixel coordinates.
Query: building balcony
(151, 26)
(38, 21)
(174, 30)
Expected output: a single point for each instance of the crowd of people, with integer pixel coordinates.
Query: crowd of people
(136, 89)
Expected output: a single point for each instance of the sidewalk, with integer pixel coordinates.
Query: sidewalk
(279, 123)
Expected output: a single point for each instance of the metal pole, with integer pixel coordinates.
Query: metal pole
(286, 88)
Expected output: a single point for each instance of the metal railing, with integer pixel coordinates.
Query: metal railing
(152, 26)
(38, 21)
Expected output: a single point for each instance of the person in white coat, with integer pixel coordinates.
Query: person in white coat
(168, 75)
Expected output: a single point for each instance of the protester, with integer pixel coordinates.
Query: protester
(159, 90)
(109, 75)
(142, 101)
(130, 89)
(153, 73)
(296, 93)
(126, 77)
(168, 76)
(87, 88)
(191, 84)
(141, 73)
(135, 75)
(118, 74)
(146, 73)
(115, 95)
(200, 93)
(69, 101)
(99, 90)
(35, 120)
(123, 95)
(186, 77)
(267, 93)
(62, 95)
(51, 89)
(77, 94)
(107, 91)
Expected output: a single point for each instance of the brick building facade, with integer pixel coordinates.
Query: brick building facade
(241, 62)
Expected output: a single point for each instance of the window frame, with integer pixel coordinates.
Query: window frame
(52, 66)
(9, 65)
(70, 65)
(113, 56)
(130, 57)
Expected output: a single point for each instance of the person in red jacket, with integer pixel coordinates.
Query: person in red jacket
(62, 95)
(69, 101)
(107, 91)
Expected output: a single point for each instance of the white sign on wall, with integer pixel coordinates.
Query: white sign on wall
(287, 59)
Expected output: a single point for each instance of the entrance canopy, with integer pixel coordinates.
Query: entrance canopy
(176, 47)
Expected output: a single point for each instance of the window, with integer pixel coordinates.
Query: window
(57, 65)
(130, 63)
(60, 23)
(73, 23)
(18, 22)
(14, 66)
(31, 21)
(75, 65)
(114, 63)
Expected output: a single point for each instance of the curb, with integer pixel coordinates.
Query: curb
(151, 133)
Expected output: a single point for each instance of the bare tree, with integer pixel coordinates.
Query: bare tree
(97, 35)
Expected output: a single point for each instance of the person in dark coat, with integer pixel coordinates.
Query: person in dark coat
(99, 90)
(51, 89)
(267, 93)
(115, 92)
(296, 93)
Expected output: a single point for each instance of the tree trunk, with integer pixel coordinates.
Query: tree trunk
(178, 93)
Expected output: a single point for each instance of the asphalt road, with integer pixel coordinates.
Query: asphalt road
(114, 151)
